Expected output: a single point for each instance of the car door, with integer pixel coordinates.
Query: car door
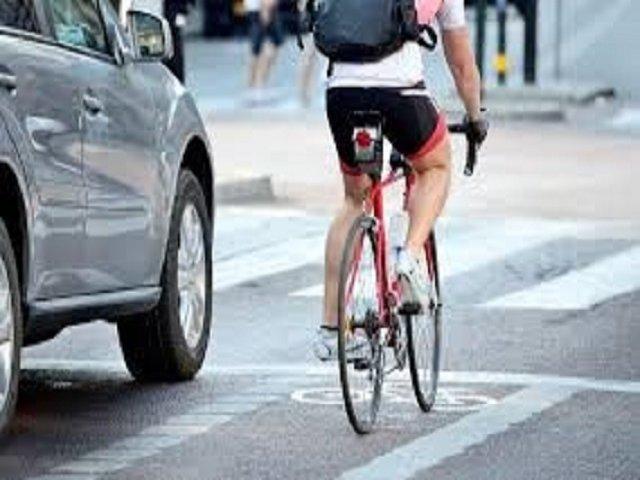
(119, 156)
(43, 112)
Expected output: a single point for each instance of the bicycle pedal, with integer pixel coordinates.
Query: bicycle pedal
(410, 308)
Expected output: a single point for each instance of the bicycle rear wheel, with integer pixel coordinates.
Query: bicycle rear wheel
(361, 369)
(424, 335)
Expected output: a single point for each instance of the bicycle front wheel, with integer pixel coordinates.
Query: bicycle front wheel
(360, 351)
(424, 335)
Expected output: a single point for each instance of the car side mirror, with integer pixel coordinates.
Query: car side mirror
(151, 36)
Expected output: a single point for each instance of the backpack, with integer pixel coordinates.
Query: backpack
(363, 31)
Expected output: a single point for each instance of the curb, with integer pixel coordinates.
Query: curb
(245, 190)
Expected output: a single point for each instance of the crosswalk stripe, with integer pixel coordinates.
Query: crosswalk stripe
(580, 289)
(267, 261)
(468, 250)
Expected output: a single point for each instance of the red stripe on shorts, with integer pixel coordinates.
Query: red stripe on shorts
(349, 170)
(436, 137)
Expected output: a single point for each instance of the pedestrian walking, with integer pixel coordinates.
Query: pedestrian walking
(266, 37)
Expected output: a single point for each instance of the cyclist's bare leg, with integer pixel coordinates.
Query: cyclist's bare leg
(355, 190)
(429, 194)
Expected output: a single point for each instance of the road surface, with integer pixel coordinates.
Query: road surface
(542, 370)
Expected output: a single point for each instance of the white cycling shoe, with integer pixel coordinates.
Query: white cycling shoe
(325, 345)
(413, 273)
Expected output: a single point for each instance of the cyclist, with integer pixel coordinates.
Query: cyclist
(394, 86)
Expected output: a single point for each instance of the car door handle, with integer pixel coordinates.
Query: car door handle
(92, 104)
(8, 81)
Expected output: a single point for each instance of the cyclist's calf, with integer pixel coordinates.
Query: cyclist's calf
(431, 188)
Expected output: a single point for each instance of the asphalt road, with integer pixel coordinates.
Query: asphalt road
(542, 370)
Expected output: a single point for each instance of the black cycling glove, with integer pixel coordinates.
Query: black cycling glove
(477, 130)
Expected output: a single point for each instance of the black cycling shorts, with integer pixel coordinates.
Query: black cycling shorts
(411, 121)
(259, 33)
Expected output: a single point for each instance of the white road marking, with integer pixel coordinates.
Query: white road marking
(270, 390)
(199, 419)
(450, 399)
(541, 391)
(153, 439)
(425, 452)
(484, 244)
(267, 261)
(580, 289)
(172, 429)
(91, 466)
(64, 476)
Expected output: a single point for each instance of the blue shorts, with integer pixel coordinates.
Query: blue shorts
(259, 33)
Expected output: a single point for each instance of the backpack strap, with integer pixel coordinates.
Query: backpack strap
(433, 38)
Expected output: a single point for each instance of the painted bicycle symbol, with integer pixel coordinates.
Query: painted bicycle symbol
(449, 399)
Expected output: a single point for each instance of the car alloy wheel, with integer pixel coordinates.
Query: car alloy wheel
(191, 276)
(7, 338)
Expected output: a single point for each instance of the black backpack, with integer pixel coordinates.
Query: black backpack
(362, 31)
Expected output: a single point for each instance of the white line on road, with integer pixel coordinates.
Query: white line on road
(153, 439)
(267, 261)
(428, 451)
(485, 244)
(313, 369)
(580, 289)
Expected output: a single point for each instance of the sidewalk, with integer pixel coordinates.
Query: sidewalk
(538, 170)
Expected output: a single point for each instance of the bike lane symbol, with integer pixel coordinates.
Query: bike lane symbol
(449, 399)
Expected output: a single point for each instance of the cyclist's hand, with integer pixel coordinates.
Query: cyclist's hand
(477, 130)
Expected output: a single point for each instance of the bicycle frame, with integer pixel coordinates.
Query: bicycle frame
(387, 288)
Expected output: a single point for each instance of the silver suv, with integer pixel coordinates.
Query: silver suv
(106, 189)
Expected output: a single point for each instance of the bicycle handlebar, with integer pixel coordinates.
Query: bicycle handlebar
(472, 147)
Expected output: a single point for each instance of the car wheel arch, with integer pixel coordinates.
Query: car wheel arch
(197, 158)
(15, 214)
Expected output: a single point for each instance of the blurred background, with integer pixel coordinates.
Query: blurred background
(572, 44)
(550, 67)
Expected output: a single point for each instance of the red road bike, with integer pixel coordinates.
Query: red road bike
(369, 302)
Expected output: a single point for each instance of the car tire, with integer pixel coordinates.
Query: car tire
(161, 345)
(10, 330)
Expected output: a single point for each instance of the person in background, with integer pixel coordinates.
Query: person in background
(308, 59)
(175, 11)
(265, 33)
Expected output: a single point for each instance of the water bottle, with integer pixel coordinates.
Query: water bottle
(397, 234)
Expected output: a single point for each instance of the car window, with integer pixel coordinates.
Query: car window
(18, 14)
(78, 23)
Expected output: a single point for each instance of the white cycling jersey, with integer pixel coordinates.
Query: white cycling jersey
(403, 68)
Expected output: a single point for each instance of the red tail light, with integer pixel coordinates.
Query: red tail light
(363, 139)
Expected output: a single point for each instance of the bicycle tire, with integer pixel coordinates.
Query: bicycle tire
(361, 406)
(424, 378)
